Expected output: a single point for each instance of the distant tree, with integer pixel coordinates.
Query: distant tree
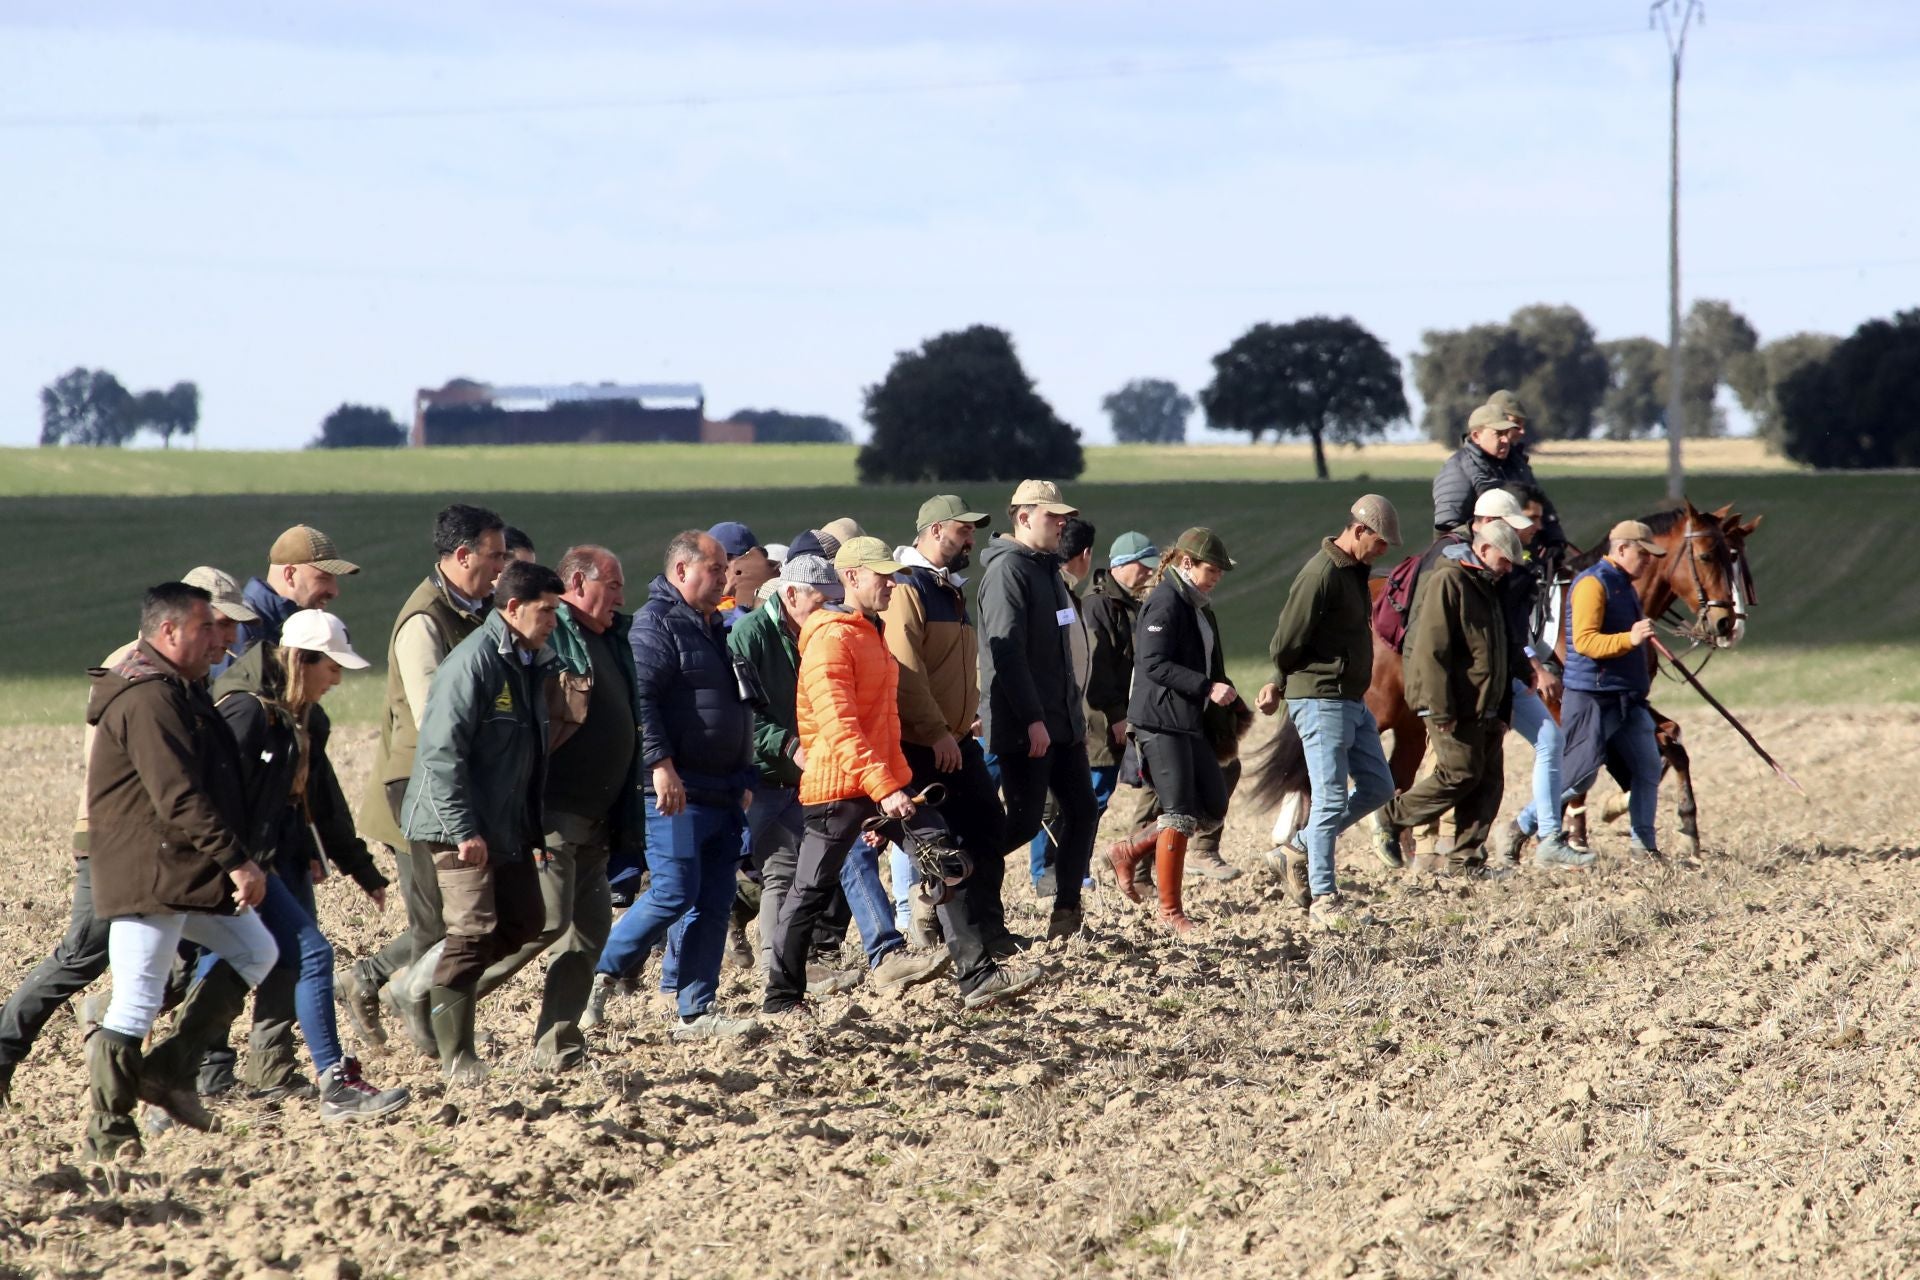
(1636, 401)
(1860, 405)
(1149, 411)
(1767, 370)
(1715, 341)
(1325, 378)
(359, 426)
(169, 413)
(962, 408)
(772, 426)
(86, 406)
(1460, 368)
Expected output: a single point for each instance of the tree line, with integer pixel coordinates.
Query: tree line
(961, 406)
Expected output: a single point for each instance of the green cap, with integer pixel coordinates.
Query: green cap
(1507, 405)
(1204, 545)
(1131, 548)
(946, 506)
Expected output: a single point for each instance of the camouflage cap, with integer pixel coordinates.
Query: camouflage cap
(1507, 405)
(1378, 514)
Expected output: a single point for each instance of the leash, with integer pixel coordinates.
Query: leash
(1661, 648)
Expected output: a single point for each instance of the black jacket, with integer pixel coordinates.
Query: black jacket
(1026, 660)
(1470, 472)
(691, 708)
(1172, 668)
(1110, 610)
(269, 760)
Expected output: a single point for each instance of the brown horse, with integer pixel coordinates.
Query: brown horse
(1705, 569)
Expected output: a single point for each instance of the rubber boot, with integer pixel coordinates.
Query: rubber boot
(113, 1089)
(452, 1013)
(1170, 860)
(408, 995)
(168, 1072)
(1127, 854)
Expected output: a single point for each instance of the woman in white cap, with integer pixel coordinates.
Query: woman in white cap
(298, 820)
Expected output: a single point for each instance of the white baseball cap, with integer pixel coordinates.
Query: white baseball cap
(318, 631)
(1501, 505)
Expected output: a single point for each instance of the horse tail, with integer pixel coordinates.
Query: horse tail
(1276, 768)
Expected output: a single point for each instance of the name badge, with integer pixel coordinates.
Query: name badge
(1064, 616)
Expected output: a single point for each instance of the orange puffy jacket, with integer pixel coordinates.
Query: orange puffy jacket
(848, 710)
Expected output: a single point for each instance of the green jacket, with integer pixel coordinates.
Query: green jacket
(480, 768)
(1323, 645)
(761, 637)
(1455, 658)
(568, 696)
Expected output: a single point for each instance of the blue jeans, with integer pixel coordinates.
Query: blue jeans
(1341, 740)
(1633, 736)
(693, 857)
(1532, 721)
(1040, 853)
(288, 913)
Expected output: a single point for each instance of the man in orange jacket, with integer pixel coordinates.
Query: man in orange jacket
(848, 717)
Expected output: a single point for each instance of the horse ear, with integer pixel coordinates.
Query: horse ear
(1722, 512)
(1751, 525)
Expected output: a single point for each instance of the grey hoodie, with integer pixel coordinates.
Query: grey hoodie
(1027, 617)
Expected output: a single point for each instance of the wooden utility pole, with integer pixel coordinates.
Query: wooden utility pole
(1673, 18)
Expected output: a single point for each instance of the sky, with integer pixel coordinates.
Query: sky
(296, 206)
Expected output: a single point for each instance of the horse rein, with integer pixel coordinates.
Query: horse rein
(1695, 633)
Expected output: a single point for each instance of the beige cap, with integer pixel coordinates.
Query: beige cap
(1498, 504)
(1378, 514)
(317, 631)
(842, 529)
(1636, 532)
(866, 553)
(1044, 494)
(1507, 405)
(224, 590)
(1501, 537)
(304, 544)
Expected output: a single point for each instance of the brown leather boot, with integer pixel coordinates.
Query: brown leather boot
(1170, 857)
(1125, 855)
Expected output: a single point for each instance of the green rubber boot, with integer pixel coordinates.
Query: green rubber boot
(452, 1010)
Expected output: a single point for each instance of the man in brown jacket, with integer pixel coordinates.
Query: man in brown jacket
(165, 808)
(1456, 672)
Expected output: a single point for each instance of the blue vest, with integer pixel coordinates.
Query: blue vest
(1626, 673)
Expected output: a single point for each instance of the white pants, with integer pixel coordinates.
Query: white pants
(141, 949)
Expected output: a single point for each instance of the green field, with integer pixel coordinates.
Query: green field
(1836, 621)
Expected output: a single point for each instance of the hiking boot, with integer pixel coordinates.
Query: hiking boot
(900, 969)
(178, 1101)
(1293, 872)
(1125, 855)
(1555, 854)
(361, 1000)
(344, 1096)
(1333, 912)
(923, 928)
(1064, 923)
(1002, 985)
(739, 954)
(596, 1011)
(415, 1016)
(452, 1010)
(1386, 845)
(1506, 843)
(1170, 856)
(1209, 864)
(1640, 853)
(822, 981)
(1007, 946)
(292, 1088)
(715, 1026)
(1046, 884)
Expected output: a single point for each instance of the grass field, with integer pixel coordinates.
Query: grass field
(663, 467)
(1836, 620)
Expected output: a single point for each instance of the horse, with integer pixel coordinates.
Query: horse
(1705, 568)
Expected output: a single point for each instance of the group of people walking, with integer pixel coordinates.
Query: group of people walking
(789, 724)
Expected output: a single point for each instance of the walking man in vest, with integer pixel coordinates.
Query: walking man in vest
(471, 550)
(1322, 652)
(1604, 706)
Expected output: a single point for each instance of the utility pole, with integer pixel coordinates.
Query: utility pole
(1673, 17)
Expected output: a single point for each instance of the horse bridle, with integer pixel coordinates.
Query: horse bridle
(1697, 633)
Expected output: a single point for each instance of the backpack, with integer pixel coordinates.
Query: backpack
(1395, 602)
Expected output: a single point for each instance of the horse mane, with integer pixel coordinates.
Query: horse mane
(1658, 522)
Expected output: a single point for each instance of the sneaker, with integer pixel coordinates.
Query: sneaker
(361, 1000)
(900, 969)
(1640, 853)
(1209, 863)
(714, 1026)
(1047, 885)
(1332, 911)
(1386, 846)
(344, 1096)
(822, 981)
(1556, 854)
(596, 1010)
(622, 899)
(1003, 984)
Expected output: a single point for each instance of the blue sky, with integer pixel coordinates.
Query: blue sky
(299, 205)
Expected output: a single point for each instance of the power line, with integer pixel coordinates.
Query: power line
(1114, 70)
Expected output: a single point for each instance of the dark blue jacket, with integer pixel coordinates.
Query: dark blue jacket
(691, 711)
(274, 610)
(1627, 673)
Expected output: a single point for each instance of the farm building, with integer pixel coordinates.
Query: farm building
(465, 412)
